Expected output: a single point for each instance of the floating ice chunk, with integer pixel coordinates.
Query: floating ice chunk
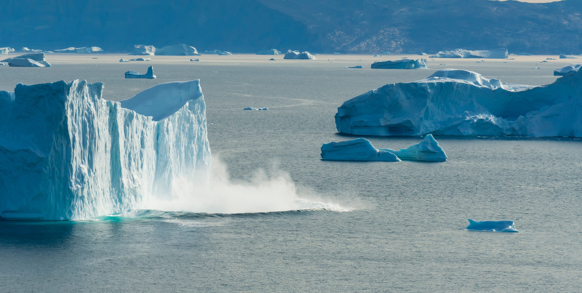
(141, 59)
(28, 60)
(400, 64)
(356, 67)
(143, 50)
(428, 150)
(562, 56)
(272, 59)
(492, 226)
(6, 50)
(195, 60)
(536, 68)
(121, 60)
(256, 109)
(572, 68)
(135, 74)
(550, 59)
(297, 55)
(355, 150)
(462, 53)
(177, 50)
(269, 52)
(216, 52)
(82, 50)
(68, 154)
(464, 103)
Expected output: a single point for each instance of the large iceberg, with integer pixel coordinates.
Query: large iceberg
(82, 50)
(464, 103)
(269, 52)
(462, 53)
(134, 74)
(400, 64)
(6, 50)
(177, 50)
(355, 150)
(492, 226)
(143, 50)
(298, 55)
(572, 68)
(68, 154)
(28, 60)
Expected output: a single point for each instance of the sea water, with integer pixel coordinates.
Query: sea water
(376, 227)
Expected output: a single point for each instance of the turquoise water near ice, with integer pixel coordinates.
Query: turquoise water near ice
(405, 228)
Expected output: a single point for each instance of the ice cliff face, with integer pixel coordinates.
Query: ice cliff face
(28, 60)
(177, 50)
(68, 154)
(464, 103)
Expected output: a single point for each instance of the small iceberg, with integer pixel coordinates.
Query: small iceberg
(355, 150)
(572, 68)
(462, 53)
(28, 60)
(562, 56)
(141, 59)
(121, 60)
(177, 50)
(400, 64)
(297, 55)
(134, 74)
(269, 52)
(194, 60)
(6, 50)
(82, 50)
(256, 109)
(428, 150)
(492, 226)
(143, 50)
(217, 52)
(356, 67)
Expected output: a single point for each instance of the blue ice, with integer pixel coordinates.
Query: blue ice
(492, 226)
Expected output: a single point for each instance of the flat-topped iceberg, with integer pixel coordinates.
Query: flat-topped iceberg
(400, 64)
(464, 103)
(269, 52)
(428, 150)
(82, 50)
(298, 55)
(28, 60)
(178, 50)
(492, 226)
(143, 50)
(462, 53)
(135, 74)
(355, 150)
(572, 68)
(216, 52)
(68, 154)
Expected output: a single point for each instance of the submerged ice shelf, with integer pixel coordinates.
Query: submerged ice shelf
(464, 103)
(428, 150)
(68, 154)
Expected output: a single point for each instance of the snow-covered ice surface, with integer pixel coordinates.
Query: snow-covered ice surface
(492, 226)
(28, 60)
(462, 53)
(177, 50)
(143, 50)
(572, 68)
(428, 150)
(400, 64)
(298, 55)
(134, 74)
(464, 103)
(359, 149)
(68, 154)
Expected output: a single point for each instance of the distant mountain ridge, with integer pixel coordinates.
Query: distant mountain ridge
(325, 26)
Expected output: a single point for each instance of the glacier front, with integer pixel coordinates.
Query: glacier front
(68, 154)
(464, 103)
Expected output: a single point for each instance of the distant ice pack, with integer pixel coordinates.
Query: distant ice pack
(464, 103)
(428, 150)
(462, 53)
(400, 64)
(68, 154)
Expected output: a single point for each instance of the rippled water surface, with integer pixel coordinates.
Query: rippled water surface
(384, 226)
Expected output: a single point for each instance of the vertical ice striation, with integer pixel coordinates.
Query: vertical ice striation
(68, 154)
